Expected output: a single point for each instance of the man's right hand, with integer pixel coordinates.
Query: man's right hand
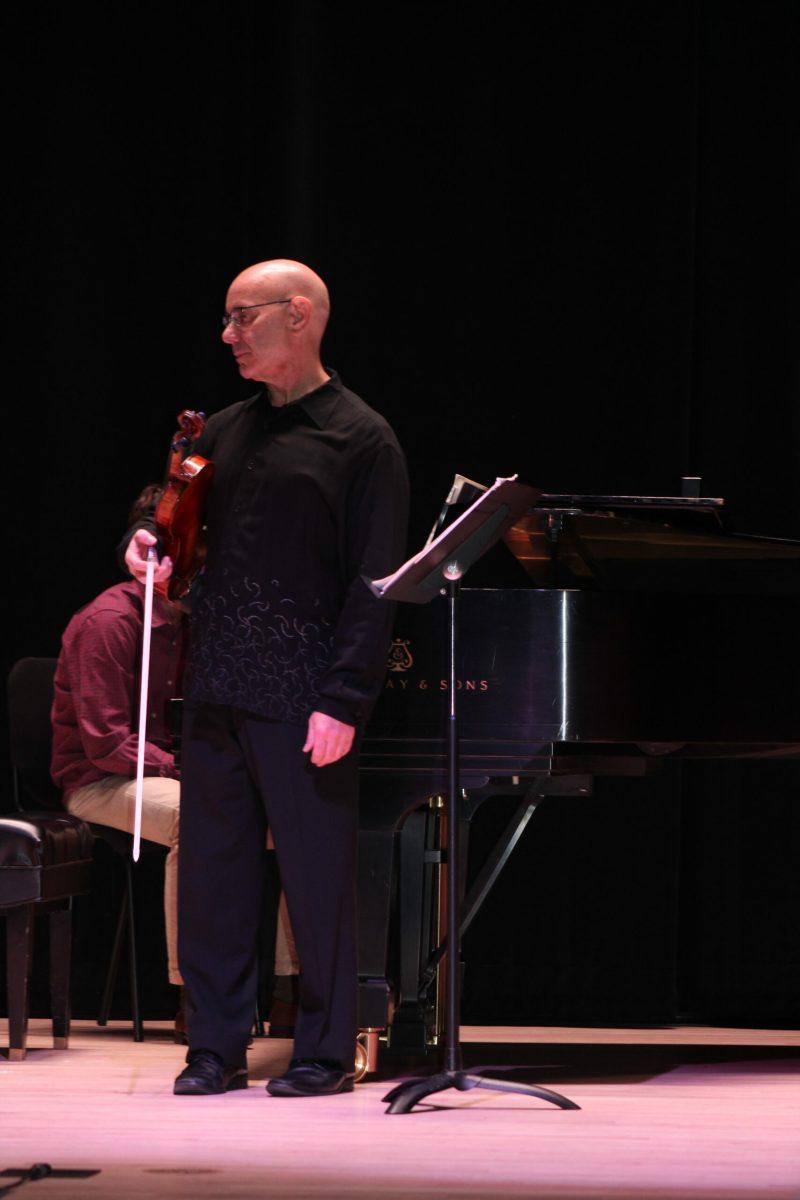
(136, 557)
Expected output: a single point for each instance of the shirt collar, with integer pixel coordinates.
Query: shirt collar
(161, 612)
(318, 405)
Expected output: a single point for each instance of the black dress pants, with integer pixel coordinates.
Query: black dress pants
(239, 773)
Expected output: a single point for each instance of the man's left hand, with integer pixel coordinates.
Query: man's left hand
(328, 739)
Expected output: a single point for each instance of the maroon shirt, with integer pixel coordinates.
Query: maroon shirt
(96, 706)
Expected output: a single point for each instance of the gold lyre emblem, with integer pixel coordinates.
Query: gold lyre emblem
(400, 656)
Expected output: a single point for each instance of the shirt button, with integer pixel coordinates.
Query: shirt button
(251, 464)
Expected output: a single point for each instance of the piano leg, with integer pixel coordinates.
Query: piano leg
(486, 878)
(376, 851)
(400, 869)
(385, 803)
(409, 1029)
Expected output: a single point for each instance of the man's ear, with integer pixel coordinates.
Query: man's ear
(299, 312)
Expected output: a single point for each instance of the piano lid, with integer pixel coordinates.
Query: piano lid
(646, 544)
(637, 544)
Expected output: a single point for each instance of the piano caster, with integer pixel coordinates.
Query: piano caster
(366, 1052)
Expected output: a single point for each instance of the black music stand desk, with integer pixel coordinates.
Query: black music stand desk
(436, 570)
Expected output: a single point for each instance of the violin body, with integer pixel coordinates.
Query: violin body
(179, 512)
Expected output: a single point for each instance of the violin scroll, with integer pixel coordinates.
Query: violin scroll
(190, 425)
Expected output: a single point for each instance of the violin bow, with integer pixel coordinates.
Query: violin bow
(147, 625)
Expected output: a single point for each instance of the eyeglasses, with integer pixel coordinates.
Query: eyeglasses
(236, 316)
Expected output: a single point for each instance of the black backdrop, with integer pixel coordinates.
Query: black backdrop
(559, 239)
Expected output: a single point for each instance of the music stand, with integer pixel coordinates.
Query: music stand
(439, 569)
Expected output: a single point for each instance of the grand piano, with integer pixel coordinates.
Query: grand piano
(642, 631)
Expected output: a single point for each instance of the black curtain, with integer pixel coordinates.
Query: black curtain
(559, 239)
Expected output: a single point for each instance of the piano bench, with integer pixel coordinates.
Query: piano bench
(45, 860)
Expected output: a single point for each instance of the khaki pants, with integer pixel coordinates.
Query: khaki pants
(111, 801)
(285, 952)
(286, 962)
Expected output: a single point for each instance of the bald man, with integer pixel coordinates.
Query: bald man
(288, 651)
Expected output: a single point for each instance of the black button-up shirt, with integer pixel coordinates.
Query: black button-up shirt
(306, 500)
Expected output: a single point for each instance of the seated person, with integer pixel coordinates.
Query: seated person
(96, 718)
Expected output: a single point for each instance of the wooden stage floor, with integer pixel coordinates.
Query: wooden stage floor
(665, 1113)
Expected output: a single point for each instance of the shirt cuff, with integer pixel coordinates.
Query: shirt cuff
(339, 710)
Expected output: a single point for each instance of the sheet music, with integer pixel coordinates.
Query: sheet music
(448, 541)
(459, 485)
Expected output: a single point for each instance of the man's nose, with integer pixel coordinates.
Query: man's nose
(230, 333)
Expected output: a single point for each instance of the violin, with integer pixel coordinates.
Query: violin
(179, 512)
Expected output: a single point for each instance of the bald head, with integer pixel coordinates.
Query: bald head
(291, 279)
(279, 310)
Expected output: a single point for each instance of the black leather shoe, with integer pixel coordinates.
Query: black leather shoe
(207, 1075)
(307, 1077)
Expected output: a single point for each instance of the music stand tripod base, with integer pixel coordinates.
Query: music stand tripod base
(402, 1098)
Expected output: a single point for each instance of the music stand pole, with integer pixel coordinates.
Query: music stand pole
(414, 582)
(452, 1060)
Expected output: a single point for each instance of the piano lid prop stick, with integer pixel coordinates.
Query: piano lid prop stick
(147, 626)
